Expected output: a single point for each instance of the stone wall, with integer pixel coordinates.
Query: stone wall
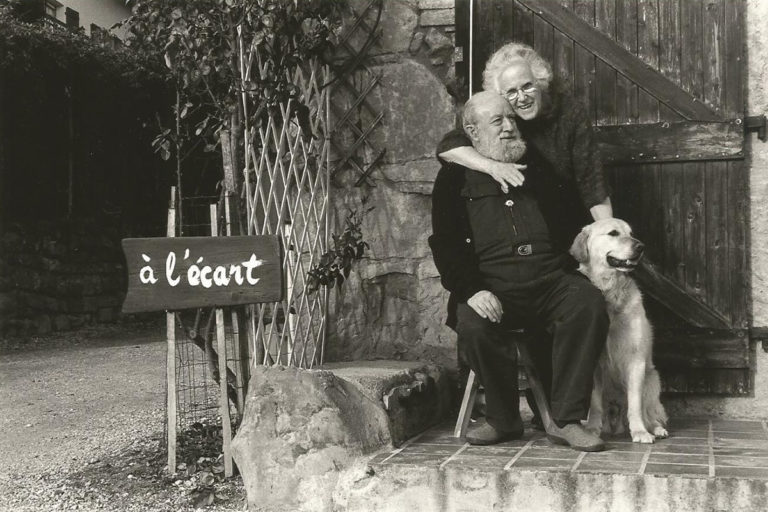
(56, 276)
(393, 305)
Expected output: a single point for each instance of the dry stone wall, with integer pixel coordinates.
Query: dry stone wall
(393, 305)
(56, 276)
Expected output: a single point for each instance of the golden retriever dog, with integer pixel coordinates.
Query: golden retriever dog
(625, 379)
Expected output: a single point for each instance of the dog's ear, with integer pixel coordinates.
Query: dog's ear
(579, 249)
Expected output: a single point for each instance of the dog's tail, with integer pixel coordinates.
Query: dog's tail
(653, 412)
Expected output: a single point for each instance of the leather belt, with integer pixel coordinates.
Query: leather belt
(533, 248)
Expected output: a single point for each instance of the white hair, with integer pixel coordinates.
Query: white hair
(469, 114)
(509, 53)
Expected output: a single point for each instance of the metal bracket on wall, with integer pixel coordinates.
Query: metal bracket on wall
(756, 124)
(760, 334)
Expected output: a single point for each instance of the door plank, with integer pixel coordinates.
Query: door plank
(733, 39)
(486, 31)
(703, 349)
(694, 229)
(669, 39)
(562, 64)
(738, 255)
(620, 59)
(710, 381)
(718, 271)
(691, 59)
(713, 67)
(626, 36)
(605, 75)
(737, 173)
(544, 39)
(675, 297)
(674, 255)
(523, 23)
(648, 52)
(670, 142)
(584, 60)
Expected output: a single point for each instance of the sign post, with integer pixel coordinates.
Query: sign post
(178, 273)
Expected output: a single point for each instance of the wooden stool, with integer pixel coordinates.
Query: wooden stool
(537, 389)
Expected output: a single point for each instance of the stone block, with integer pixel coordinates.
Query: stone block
(415, 395)
(76, 321)
(9, 303)
(39, 302)
(82, 304)
(106, 315)
(61, 323)
(397, 23)
(418, 111)
(437, 17)
(300, 430)
(436, 4)
(41, 324)
(437, 41)
(416, 42)
(414, 177)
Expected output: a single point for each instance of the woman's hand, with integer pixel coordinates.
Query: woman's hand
(507, 174)
(603, 210)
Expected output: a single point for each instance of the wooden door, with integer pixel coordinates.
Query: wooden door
(663, 81)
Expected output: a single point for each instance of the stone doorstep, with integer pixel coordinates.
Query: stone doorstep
(725, 471)
(427, 488)
(415, 395)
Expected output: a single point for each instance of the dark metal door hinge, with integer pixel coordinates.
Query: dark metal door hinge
(759, 334)
(756, 124)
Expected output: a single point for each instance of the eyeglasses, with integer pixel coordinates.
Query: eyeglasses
(515, 94)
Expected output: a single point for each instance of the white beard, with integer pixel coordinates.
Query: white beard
(502, 150)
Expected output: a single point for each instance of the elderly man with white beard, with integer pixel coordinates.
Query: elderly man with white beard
(495, 255)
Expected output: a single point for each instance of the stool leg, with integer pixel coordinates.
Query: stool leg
(536, 388)
(465, 412)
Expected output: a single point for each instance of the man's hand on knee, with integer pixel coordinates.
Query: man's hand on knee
(487, 305)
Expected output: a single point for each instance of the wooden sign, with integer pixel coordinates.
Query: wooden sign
(191, 272)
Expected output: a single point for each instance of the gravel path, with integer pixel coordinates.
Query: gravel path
(82, 426)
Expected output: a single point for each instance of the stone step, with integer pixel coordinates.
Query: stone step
(307, 435)
(698, 469)
(415, 395)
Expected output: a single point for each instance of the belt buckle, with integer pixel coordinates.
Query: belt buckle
(524, 250)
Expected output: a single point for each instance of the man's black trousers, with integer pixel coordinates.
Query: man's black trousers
(566, 322)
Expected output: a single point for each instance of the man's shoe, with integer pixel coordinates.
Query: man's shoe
(486, 434)
(577, 437)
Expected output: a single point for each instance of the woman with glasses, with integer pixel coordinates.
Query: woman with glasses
(555, 127)
(561, 167)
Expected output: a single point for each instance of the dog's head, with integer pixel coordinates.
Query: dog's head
(608, 243)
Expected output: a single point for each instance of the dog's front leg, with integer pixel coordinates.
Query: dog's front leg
(635, 377)
(595, 418)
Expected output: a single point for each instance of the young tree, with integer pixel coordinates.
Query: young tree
(202, 42)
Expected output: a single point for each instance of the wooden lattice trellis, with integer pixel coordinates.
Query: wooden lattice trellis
(357, 118)
(287, 184)
(287, 191)
(288, 167)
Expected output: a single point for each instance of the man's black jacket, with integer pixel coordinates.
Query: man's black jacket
(452, 240)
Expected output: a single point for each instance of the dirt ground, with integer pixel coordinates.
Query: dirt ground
(82, 418)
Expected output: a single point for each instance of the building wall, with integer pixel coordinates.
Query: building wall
(393, 305)
(103, 13)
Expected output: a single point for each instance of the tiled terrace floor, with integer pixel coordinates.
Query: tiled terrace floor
(702, 448)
